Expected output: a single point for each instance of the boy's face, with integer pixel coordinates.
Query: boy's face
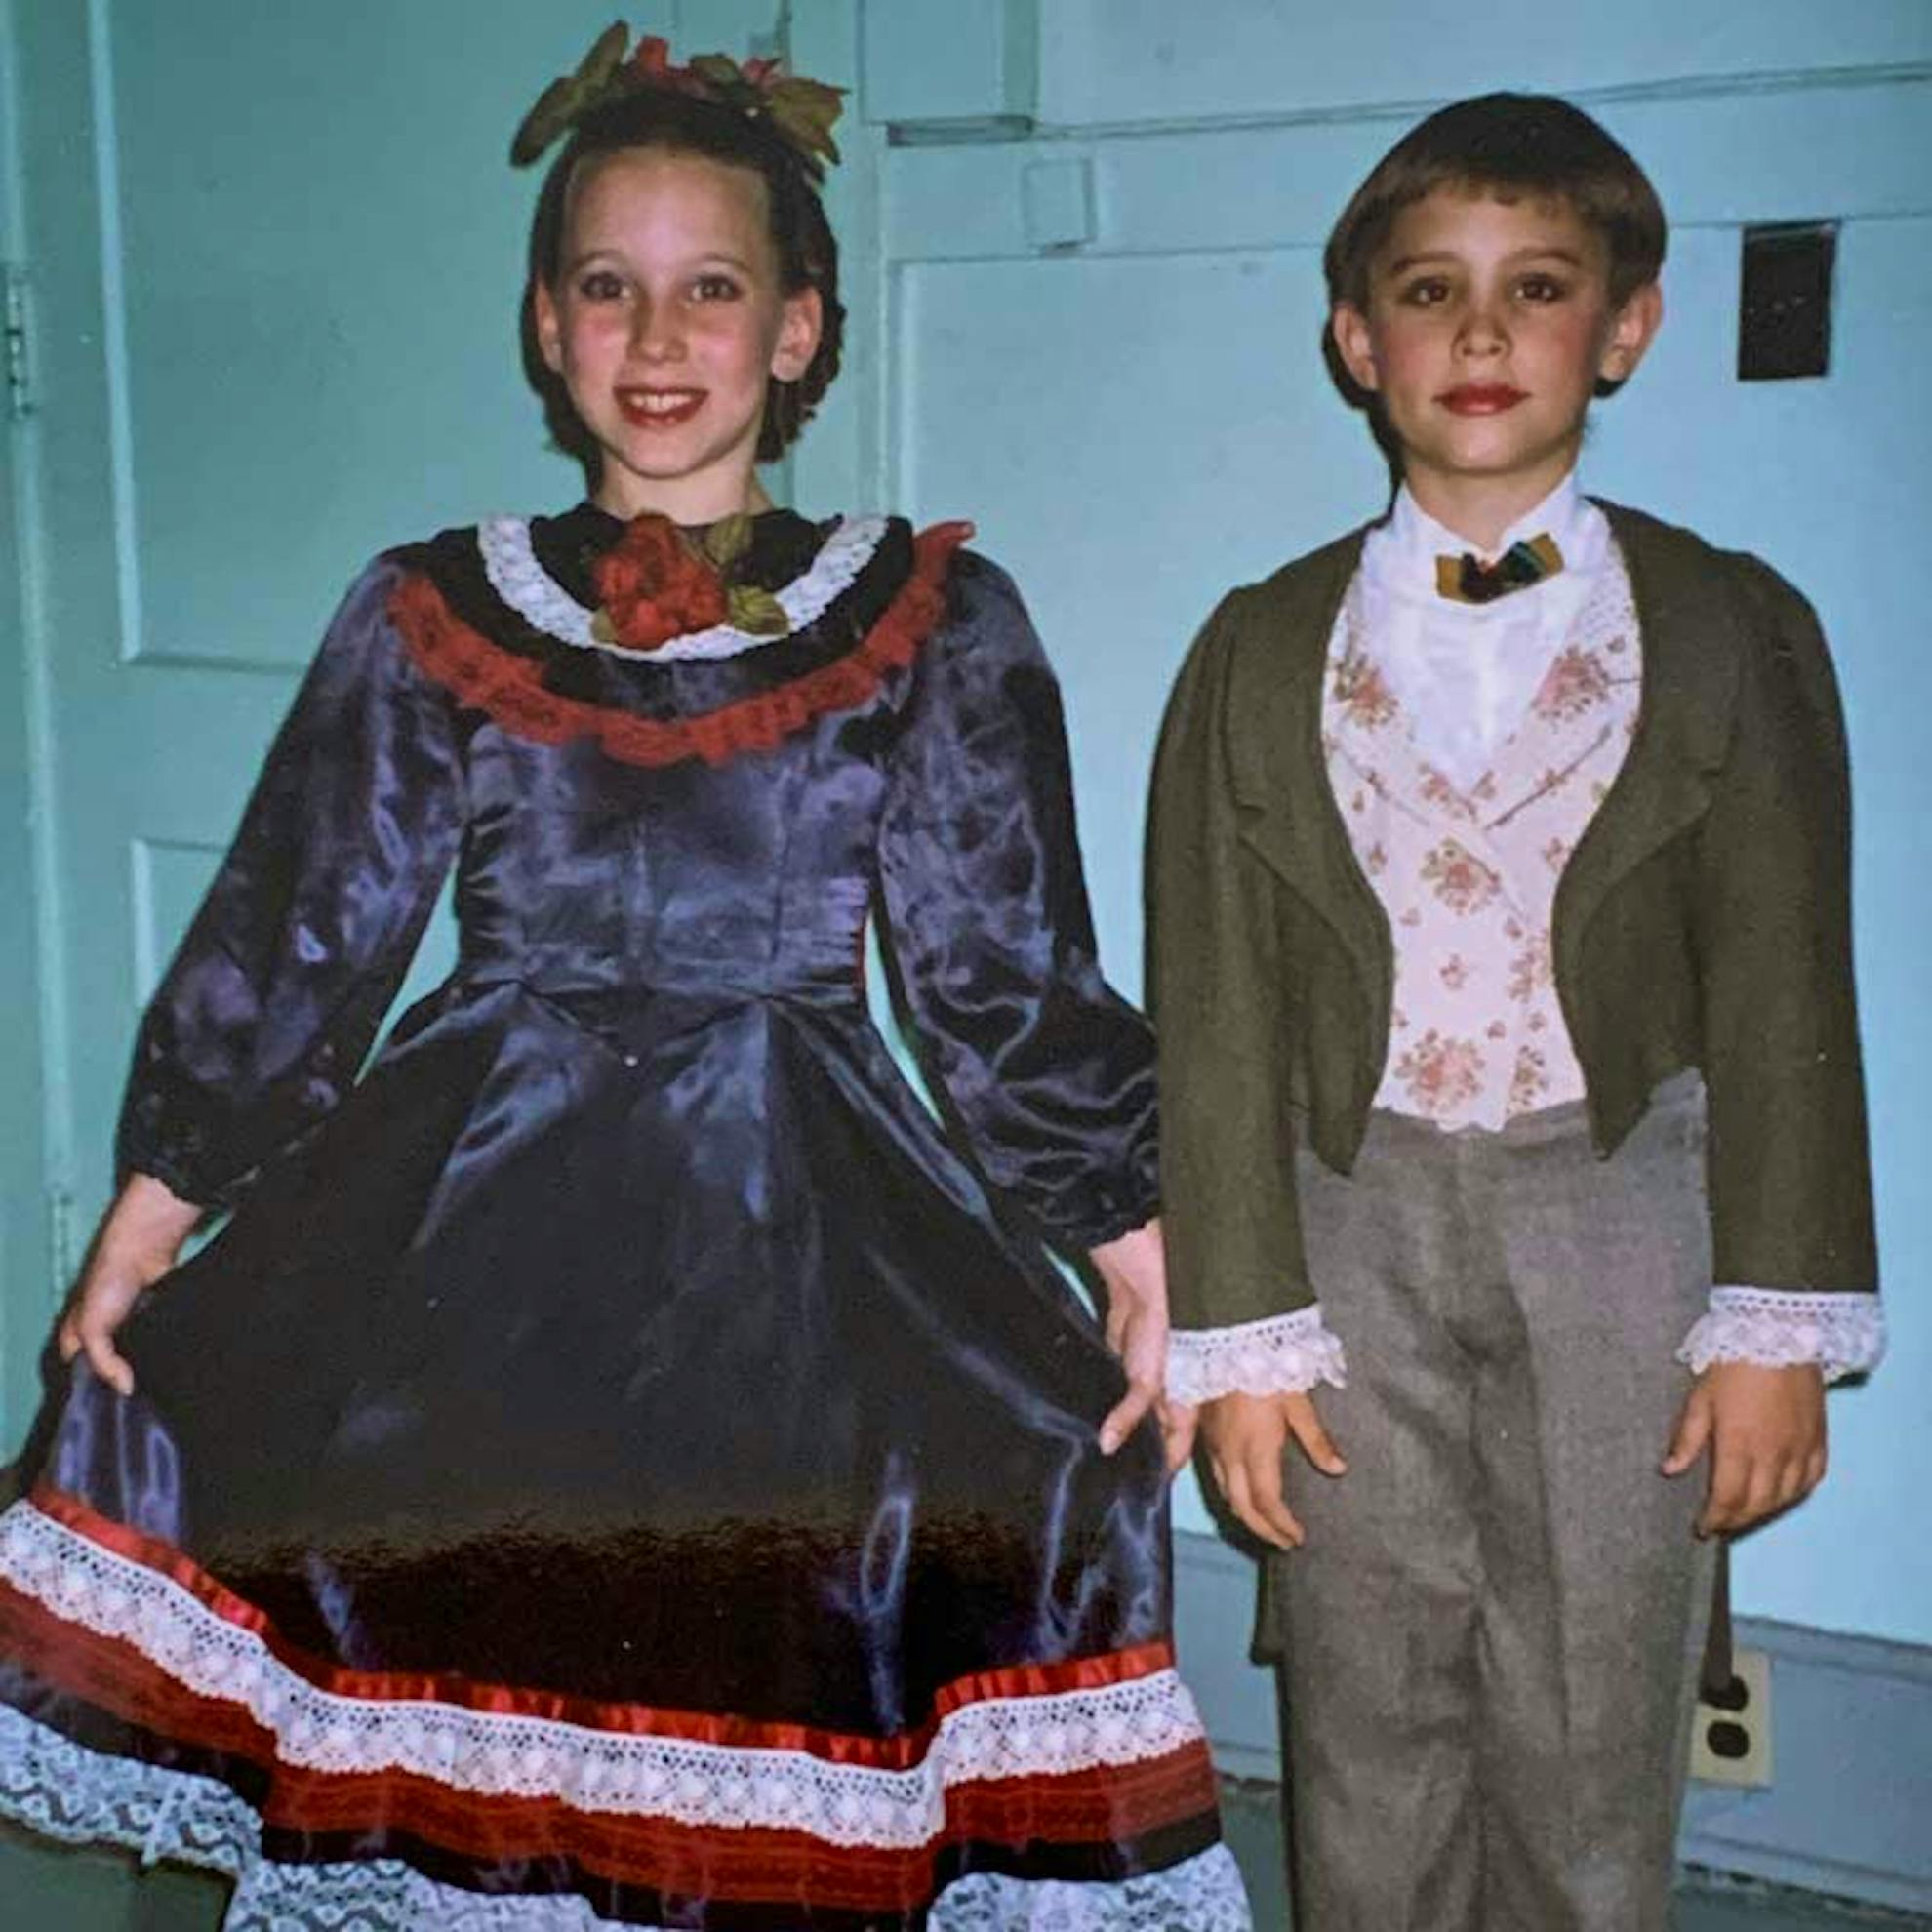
(1488, 326)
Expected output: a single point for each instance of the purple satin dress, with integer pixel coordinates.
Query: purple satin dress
(623, 1455)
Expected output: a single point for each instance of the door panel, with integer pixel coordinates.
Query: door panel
(1133, 436)
(274, 258)
(24, 1221)
(276, 255)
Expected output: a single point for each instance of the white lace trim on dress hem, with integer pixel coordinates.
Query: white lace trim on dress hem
(1844, 1334)
(1281, 1355)
(57, 1788)
(510, 563)
(629, 1773)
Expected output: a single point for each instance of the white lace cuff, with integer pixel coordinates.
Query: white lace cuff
(1282, 1356)
(1844, 1334)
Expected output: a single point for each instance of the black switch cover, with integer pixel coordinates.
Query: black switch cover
(1785, 310)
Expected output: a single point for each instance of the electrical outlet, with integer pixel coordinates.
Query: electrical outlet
(1731, 1741)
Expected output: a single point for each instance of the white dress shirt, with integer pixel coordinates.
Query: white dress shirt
(1465, 673)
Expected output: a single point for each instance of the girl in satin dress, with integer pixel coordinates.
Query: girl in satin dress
(624, 1460)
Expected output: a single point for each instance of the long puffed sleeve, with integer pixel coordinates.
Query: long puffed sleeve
(1050, 1071)
(269, 1006)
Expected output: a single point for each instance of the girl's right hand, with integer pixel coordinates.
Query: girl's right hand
(135, 1244)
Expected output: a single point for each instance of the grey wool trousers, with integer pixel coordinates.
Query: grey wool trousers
(1490, 1641)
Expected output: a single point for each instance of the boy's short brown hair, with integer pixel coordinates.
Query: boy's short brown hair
(1507, 144)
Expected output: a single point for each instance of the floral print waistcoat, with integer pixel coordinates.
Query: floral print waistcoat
(1468, 877)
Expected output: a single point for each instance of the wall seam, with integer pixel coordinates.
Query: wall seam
(1408, 109)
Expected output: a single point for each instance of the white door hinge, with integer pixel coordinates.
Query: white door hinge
(19, 368)
(63, 1240)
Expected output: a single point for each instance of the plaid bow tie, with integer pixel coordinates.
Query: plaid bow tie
(1465, 581)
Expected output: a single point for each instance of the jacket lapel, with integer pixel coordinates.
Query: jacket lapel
(1690, 669)
(1277, 769)
(1279, 773)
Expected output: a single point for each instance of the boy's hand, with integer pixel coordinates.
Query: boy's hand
(1765, 1431)
(1245, 1438)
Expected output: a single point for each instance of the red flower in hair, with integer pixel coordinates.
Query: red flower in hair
(654, 586)
(652, 59)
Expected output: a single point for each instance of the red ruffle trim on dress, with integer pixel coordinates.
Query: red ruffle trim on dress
(1107, 1804)
(883, 1754)
(510, 687)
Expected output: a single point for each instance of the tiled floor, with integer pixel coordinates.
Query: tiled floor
(1252, 1817)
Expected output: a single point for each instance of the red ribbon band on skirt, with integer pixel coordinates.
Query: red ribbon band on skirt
(1102, 1806)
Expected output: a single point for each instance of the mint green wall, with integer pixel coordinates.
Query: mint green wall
(1136, 421)
(274, 284)
(1140, 418)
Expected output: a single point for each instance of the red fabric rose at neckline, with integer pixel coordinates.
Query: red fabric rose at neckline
(654, 586)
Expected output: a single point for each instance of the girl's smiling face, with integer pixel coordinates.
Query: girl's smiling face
(665, 322)
(1489, 324)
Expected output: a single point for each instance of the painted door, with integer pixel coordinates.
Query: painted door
(24, 1207)
(273, 256)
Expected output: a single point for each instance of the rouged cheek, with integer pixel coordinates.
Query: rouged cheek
(1571, 333)
(1406, 363)
(728, 333)
(592, 346)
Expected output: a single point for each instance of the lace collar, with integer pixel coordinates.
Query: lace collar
(518, 577)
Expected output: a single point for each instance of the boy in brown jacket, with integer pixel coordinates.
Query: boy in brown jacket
(1511, 1081)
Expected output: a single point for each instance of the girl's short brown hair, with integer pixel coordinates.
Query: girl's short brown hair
(1507, 144)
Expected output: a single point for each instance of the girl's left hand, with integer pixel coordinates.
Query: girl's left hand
(1134, 1270)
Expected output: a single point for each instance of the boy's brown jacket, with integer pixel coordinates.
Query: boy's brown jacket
(1702, 921)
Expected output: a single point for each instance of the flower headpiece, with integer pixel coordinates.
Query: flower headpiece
(800, 113)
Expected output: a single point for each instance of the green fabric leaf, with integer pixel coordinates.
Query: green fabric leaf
(756, 612)
(720, 70)
(556, 107)
(606, 52)
(569, 96)
(804, 112)
(726, 541)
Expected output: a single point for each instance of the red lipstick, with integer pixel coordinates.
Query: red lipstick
(1482, 398)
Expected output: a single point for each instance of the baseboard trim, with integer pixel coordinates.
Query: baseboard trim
(1849, 1809)
(1845, 1815)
